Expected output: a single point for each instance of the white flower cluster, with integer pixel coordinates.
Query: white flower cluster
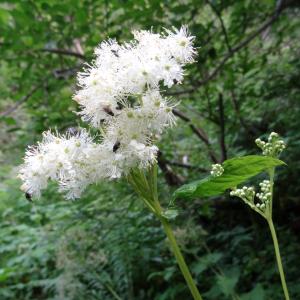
(246, 194)
(120, 94)
(273, 147)
(131, 69)
(61, 158)
(216, 170)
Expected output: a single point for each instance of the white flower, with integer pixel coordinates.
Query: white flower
(145, 154)
(126, 70)
(180, 44)
(119, 93)
(60, 158)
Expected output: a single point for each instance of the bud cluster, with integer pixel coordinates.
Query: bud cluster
(216, 170)
(273, 147)
(246, 194)
(265, 196)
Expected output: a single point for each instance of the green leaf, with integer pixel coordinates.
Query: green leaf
(236, 171)
(227, 284)
(257, 293)
(4, 16)
(4, 274)
(205, 262)
(9, 120)
(228, 281)
(170, 213)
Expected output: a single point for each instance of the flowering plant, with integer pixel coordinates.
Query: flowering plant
(237, 170)
(263, 204)
(121, 96)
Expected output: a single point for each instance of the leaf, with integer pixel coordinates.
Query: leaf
(4, 16)
(206, 261)
(170, 213)
(4, 274)
(228, 282)
(236, 171)
(257, 293)
(9, 120)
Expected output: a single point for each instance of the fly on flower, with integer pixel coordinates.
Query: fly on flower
(28, 197)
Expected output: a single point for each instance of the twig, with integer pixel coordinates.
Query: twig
(231, 53)
(172, 178)
(20, 102)
(186, 166)
(64, 52)
(236, 106)
(238, 47)
(222, 127)
(218, 14)
(177, 93)
(199, 132)
(66, 73)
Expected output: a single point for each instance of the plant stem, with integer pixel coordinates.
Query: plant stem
(278, 258)
(180, 260)
(116, 296)
(177, 253)
(271, 175)
(146, 187)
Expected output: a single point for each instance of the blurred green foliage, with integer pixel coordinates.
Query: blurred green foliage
(107, 246)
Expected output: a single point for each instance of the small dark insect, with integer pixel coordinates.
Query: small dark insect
(175, 81)
(28, 197)
(108, 111)
(115, 53)
(120, 106)
(116, 146)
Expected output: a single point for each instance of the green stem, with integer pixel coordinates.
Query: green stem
(271, 175)
(180, 260)
(116, 296)
(142, 184)
(278, 258)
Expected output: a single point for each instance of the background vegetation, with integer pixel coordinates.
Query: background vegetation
(244, 85)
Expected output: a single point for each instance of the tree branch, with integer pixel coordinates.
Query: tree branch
(185, 166)
(236, 107)
(20, 102)
(238, 47)
(218, 14)
(222, 127)
(172, 178)
(177, 93)
(64, 52)
(233, 50)
(199, 132)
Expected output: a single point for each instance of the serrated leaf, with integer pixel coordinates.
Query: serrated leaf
(236, 171)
